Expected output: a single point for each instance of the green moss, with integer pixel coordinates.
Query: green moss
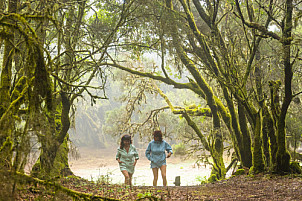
(6, 153)
(18, 88)
(61, 167)
(212, 178)
(218, 166)
(252, 171)
(258, 161)
(239, 172)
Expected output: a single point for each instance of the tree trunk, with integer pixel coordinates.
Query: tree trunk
(61, 166)
(2, 9)
(46, 164)
(6, 122)
(246, 155)
(258, 163)
(283, 157)
(217, 140)
(269, 137)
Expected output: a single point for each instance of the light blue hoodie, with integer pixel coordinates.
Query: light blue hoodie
(155, 153)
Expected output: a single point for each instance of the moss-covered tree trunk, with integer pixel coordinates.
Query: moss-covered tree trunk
(234, 129)
(220, 66)
(278, 113)
(283, 157)
(242, 136)
(6, 76)
(6, 121)
(45, 110)
(2, 8)
(258, 162)
(63, 101)
(54, 145)
(246, 154)
(269, 138)
(216, 135)
(44, 164)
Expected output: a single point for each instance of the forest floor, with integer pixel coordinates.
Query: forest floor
(260, 187)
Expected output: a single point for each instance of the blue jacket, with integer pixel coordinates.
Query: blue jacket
(155, 153)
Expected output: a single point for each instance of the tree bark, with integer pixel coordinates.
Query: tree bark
(246, 154)
(6, 122)
(258, 163)
(283, 157)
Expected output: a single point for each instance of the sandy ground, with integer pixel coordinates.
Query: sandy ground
(101, 164)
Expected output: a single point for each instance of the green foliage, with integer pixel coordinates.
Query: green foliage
(202, 180)
(179, 149)
(104, 179)
(146, 194)
(102, 21)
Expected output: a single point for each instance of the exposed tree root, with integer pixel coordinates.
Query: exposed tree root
(72, 193)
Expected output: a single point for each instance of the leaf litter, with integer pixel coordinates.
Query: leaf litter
(260, 187)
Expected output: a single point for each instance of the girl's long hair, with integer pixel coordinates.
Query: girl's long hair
(125, 137)
(159, 134)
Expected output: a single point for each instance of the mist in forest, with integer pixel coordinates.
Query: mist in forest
(95, 138)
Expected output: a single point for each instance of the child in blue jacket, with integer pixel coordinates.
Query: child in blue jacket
(156, 154)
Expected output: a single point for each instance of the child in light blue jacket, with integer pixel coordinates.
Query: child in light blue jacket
(156, 153)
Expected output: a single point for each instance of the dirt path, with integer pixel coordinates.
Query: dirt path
(101, 164)
(261, 187)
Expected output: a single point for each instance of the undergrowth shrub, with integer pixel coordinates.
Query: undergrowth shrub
(179, 149)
